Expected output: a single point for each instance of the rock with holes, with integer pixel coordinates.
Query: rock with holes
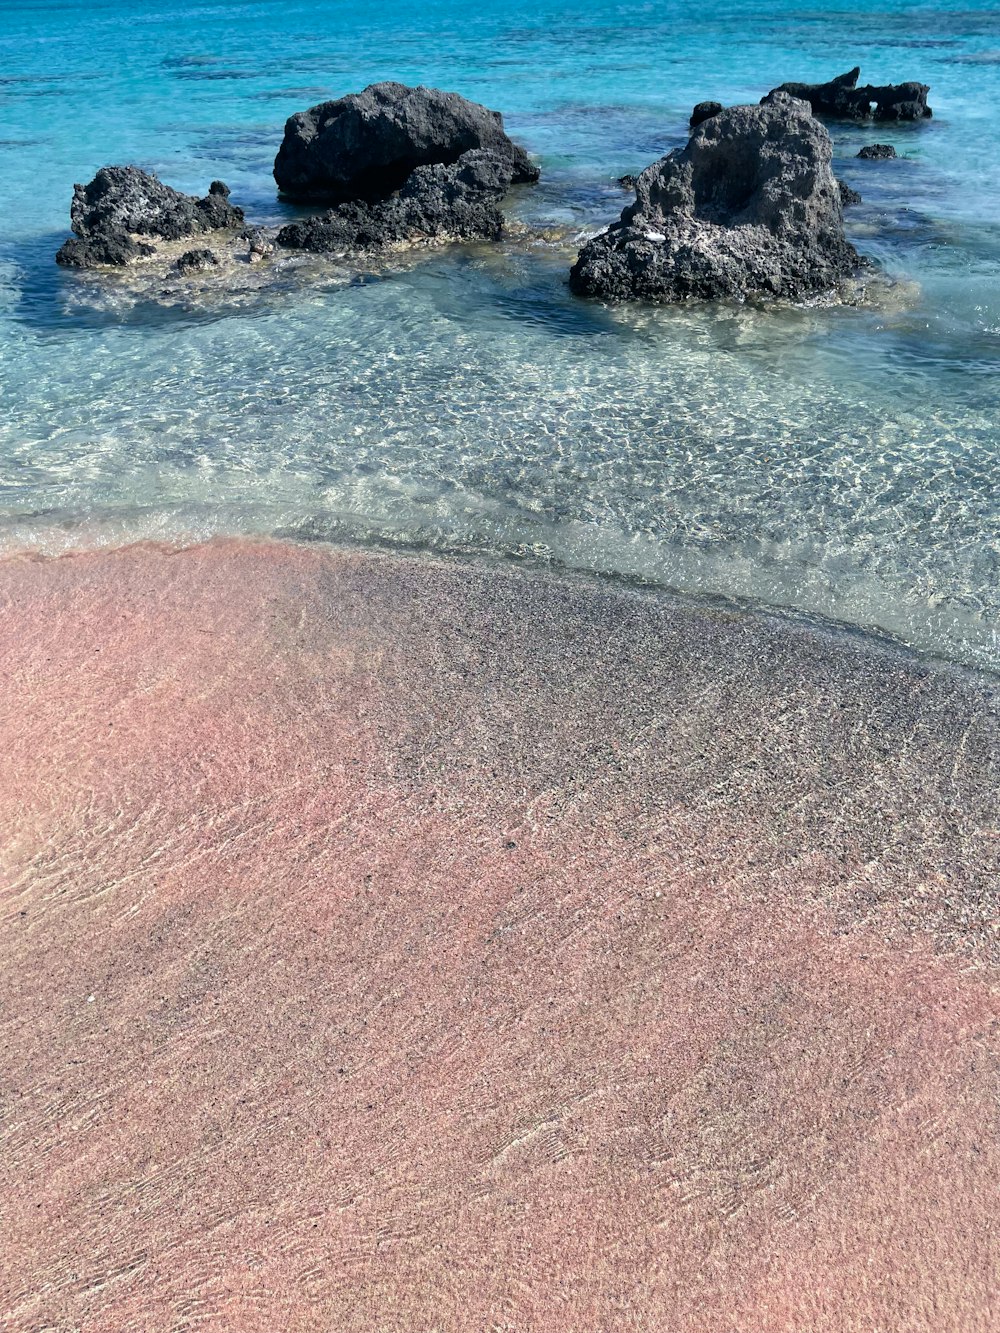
(437, 203)
(196, 261)
(363, 147)
(842, 98)
(704, 111)
(750, 207)
(122, 209)
(877, 152)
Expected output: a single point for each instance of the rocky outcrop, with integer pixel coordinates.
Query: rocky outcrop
(122, 204)
(877, 152)
(102, 251)
(364, 147)
(847, 195)
(842, 98)
(704, 111)
(456, 202)
(749, 207)
(627, 182)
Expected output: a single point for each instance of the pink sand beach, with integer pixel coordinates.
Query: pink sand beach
(395, 944)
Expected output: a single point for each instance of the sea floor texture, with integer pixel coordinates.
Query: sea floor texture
(401, 944)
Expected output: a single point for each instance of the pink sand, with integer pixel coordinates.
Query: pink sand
(393, 945)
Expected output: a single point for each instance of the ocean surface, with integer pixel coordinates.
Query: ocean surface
(844, 462)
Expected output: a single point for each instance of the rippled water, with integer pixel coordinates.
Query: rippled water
(841, 461)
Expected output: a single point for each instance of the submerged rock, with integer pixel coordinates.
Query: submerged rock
(877, 152)
(704, 111)
(841, 97)
(456, 202)
(102, 251)
(847, 195)
(122, 203)
(749, 207)
(196, 261)
(365, 146)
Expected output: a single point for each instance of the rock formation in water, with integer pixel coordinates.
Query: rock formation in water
(841, 97)
(460, 201)
(196, 261)
(704, 111)
(365, 146)
(847, 195)
(877, 152)
(123, 208)
(750, 207)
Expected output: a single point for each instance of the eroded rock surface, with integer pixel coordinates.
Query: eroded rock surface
(750, 207)
(842, 98)
(123, 204)
(102, 251)
(366, 145)
(456, 202)
(704, 111)
(877, 152)
(196, 261)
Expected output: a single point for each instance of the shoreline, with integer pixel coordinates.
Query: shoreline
(534, 566)
(415, 944)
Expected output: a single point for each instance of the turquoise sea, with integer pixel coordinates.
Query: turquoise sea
(842, 462)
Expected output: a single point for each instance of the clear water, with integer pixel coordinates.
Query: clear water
(840, 461)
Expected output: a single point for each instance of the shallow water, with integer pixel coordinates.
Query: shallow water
(839, 461)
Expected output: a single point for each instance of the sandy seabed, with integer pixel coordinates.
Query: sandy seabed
(394, 944)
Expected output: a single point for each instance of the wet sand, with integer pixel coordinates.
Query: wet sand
(392, 944)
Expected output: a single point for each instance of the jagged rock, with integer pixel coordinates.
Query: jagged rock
(749, 207)
(456, 202)
(839, 97)
(704, 111)
(627, 182)
(365, 146)
(196, 261)
(847, 195)
(842, 98)
(102, 252)
(877, 152)
(900, 101)
(121, 203)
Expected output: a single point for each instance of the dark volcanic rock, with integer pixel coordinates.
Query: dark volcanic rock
(841, 97)
(127, 200)
(704, 111)
(627, 182)
(365, 146)
(196, 261)
(460, 201)
(749, 207)
(877, 152)
(121, 203)
(900, 101)
(847, 195)
(102, 251)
